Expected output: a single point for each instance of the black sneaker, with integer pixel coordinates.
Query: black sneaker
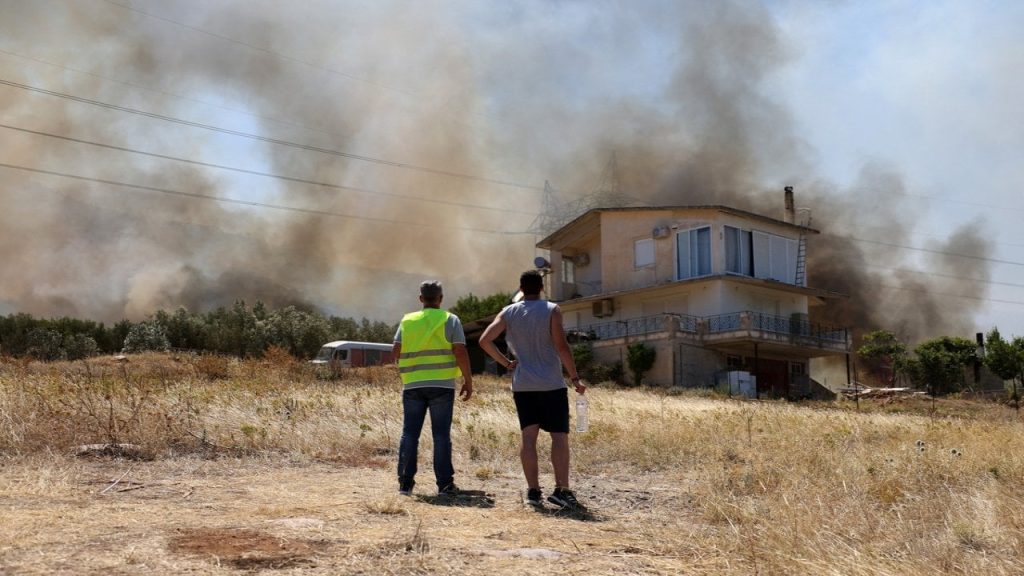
(405, 487)
(534, 497)
(450, 490)
(565, 499)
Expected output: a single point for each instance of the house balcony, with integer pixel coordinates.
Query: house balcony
(734, 332)
(739, 328)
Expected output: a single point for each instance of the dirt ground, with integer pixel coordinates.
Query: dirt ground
(223, 516)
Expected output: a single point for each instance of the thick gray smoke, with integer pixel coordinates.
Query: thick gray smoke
(487, 91)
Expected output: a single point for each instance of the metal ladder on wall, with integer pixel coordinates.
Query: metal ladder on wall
(801, 261)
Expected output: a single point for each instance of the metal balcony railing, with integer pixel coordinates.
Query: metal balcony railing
(640, 326)
(794, 329)
(723, 323)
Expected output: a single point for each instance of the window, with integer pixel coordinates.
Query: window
(797, 368)
(733, 362)
(693, 253)
(738, 253)
(774, 257)
(568, 271)
(643, 253)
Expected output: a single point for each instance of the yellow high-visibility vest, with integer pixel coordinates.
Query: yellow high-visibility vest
(426, 353)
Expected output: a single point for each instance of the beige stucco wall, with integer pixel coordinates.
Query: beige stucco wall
(736, 298)
(588, 277)
(619, 232)
(660, 374)
(696, 366)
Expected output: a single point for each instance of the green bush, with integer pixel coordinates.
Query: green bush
(640, 358)
(583, 356)
(145, 337)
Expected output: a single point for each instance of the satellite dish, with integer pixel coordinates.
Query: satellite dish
(541, 262)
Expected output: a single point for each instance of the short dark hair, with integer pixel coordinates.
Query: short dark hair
(531, 282)
(431, 290)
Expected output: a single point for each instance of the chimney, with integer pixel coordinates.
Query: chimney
(790, 214)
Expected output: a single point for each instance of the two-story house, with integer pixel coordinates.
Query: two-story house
(713, 289)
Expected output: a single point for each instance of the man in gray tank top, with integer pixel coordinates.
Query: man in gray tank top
(535, 336)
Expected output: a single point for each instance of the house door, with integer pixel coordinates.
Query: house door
(772, 378)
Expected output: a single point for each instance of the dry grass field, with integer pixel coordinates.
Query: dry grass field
(263, 466)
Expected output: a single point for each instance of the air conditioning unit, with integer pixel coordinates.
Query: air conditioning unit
(603, 308)
(660, 232)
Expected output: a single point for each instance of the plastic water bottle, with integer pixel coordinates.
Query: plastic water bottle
(582, 422)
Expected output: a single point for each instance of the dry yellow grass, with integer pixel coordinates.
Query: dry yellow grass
(262, 465)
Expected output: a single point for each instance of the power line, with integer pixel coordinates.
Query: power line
(259, 173)
(267, 139)
(246, 202)
(955, 201)
(925, 237)
(950, 295)
(171, 94)
(930, 251)
(329, 133)
(953, 276)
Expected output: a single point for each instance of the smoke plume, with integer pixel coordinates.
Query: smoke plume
(456, 114)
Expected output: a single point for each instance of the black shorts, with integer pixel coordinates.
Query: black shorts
(550, 409)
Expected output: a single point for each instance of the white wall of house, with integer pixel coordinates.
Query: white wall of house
(737, 298)
(706, 299)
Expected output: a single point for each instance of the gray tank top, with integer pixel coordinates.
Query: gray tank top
(528, 334)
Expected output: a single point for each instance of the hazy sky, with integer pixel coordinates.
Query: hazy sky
(386, 142)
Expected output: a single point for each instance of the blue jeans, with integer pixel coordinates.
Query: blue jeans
(415, 404)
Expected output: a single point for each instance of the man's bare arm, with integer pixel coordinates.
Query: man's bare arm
(487, 342)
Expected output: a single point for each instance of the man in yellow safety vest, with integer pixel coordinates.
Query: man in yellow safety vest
(430, 346)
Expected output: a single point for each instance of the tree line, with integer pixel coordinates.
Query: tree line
(239, 330)
(939, 365)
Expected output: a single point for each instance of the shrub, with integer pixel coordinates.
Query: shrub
(80, 346)
(45, 344)
(213, 366)
(640, 357)
(583, 356)
(605, 373)
(146, 336)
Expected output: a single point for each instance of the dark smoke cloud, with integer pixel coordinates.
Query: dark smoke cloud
(508, 92)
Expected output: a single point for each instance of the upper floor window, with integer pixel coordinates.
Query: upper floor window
(774, 257)
(568, 271)
(643, 253)
(760, 254)
(739, 257)
(693, 253)
(738, 251)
